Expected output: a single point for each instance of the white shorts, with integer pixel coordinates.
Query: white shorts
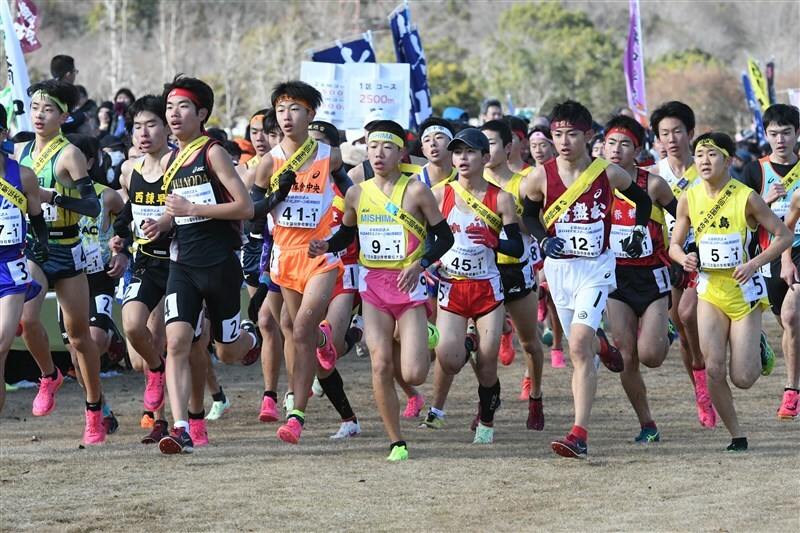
(580, 287)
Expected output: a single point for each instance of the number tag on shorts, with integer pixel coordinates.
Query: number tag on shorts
(19, 271)
(103, 304)
(94, 258)
(300, 210)
(382, 243)
(197, 194)
(720, 251)
(536, 253)
(132, 291)
(766, 270)
(662, 279)
(10, 227)
(444, 293)
(584, 240)
(754, 289)
(466, 261)
(230, 328)
(618, 235)
(79, 257)
(170, 307)
(350, 277)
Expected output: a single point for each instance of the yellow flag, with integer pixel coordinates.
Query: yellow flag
(759, 83)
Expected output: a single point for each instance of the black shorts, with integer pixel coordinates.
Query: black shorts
(101, 299)
(148, 283)
(218, 285)
(65, 261)
(251, 260)
(518, 280)
(640, 286)
(776, 287)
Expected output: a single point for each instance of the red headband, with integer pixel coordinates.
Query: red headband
(579, 125)
(520, 134)
(626, 132)
(177, 91)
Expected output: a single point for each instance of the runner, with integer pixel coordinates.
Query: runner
(641, 301)
(673, 125)
(391, 230)
(790, 266)
(205, 201)
(732, 295)
(19, 194)
(519, 139)
(576, 192)
(777, 179)
(69, 193)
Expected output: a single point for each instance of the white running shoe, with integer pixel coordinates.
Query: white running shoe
(350, 428)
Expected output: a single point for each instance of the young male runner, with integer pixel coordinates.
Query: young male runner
(206, 200)
(577, 192)
(732, 293)
(518, 141)
(673, 125)
(777, 178)
(68, 193)
(639, 306)
(19, 195)
(389, 213)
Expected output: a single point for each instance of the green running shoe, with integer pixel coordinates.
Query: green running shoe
(483, 434)
(767, 356)
(399, 453)
(433, 336)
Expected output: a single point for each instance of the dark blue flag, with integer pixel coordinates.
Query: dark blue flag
(357, 49)
(408, 49)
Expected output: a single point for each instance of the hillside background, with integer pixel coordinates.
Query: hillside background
(535, 52)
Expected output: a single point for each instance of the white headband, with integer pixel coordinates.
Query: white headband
(436, 129)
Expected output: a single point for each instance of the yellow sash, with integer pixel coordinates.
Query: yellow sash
(712, 213)
(656, 214)
(50, 150)
(253, 161)
(515, 180)
(687, 178)
(338, 203)
(574, 191)
(182, 158)
(294, 163)
(453, 175)
(791, 178)
(409, 168)
(13, 195)
(486, 214)
(379, 198)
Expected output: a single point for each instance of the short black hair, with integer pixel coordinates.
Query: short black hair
(673, 109)
(572, 112)
(218, 134)
(722, 140)
(501, 128)
(389, 126)
(233, 149)
(328, 130)
(90, 148)
(151, 103)
(201, 90)
(544, 130)
(490, 102)
(437, 121)
(782, 115)
(127, 92)
(624, 121)
(61, 65)
(297, 90)
(65, 92)
(82, 90)
(271, 122)
(261, 112)
(515, 124)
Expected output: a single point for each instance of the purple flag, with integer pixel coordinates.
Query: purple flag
(634, 67)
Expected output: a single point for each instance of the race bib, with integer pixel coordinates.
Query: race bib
(10, 227)
(79, 257)
(444, 293)
(781, 208)
(300, 210)
(18, 269)
(618, 235)
(754, 289)
(536, 252)
(661, 276)
(230, 329)
(197, 194)
(766, 270)
(720, 251)
(142, 213)
(382, 243)
(94, 258)
(670, 221)
(102, 303)
(350, 277)
(466, 261)
(584, 240)
(49, 211)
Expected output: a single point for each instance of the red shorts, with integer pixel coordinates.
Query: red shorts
(346, 281)
(470, 298)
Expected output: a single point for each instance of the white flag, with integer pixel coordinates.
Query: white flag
(18, 80)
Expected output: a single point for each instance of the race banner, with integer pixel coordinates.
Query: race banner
(356, 49)
(633, 63)
(755, 109)
(758, 83)
(17, 101)
(408, 49)
(26, 25)
(771, 82)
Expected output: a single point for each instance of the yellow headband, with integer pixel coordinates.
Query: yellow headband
(386, 136)
(710, 142)
(61, 105)
(286, 98)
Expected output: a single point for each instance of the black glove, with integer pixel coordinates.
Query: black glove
(632, 245)
(552, 246)
(40, 251)
(286, 180)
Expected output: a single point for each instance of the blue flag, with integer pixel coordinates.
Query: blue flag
(755, 109)
(356, 49)
(408, 49)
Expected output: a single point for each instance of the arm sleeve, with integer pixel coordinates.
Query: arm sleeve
(263, 205)
(530, 217)
(88, 204)
(512, 245)
(122, 222)
(672, 207)
(444, 240)
(644, 205)
(341, 239)
(39, 227)
(341, 179)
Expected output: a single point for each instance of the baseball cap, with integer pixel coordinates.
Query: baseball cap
(472, 137)
(455, 114)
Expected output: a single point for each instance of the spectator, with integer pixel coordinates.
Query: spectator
(122, 101)
(62, 68)
(491, 109)
(104, 119)
(740, 159)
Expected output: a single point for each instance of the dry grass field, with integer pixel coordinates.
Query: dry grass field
(249, 480)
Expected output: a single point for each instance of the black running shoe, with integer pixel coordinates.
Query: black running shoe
(111, 424)
(158, 432)
(177, 442)
(737, 445)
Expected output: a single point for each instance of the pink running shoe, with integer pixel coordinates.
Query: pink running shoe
(327, 354)
(269, 410)
(290, 431)
(154, 390)
(95, 432)
(557, 358)
(789, 407)
(198, 432)
(45, 400)
(535, 415)
(414, 406)
(705, 411)
(525, 394)
(507, 352)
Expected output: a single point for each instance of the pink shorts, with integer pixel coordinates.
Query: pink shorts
(378, 288)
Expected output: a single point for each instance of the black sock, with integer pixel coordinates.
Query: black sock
(218, 397)
(489, 398)
(469, 345)
(394, 445)
(334, 390)
(352, 336)
(197, 416)
(272, 394)
(789, 388)
(94, 406)
(54, 375)
(161, 368)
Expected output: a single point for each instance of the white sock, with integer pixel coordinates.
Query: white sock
(182, 424)
(438, 412)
